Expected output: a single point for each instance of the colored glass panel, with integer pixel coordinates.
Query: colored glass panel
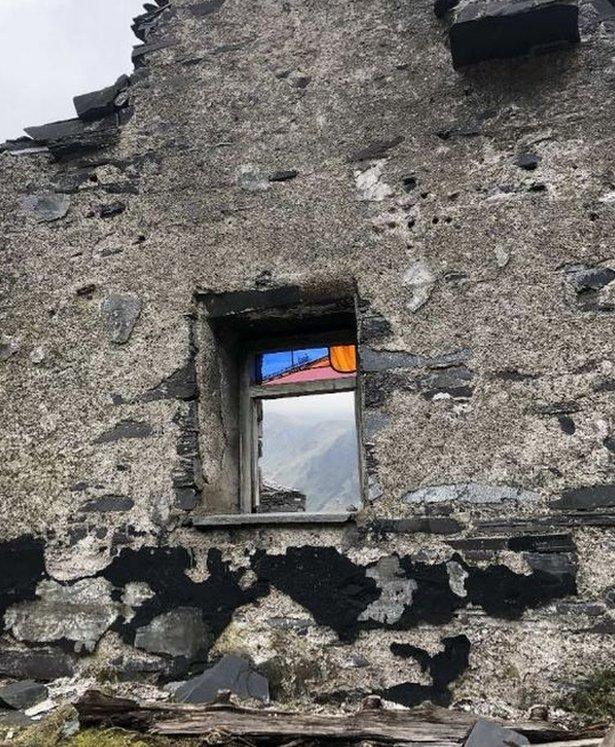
(306, 364)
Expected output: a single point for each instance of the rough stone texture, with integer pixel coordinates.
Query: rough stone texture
(46, 207)
(487, 734)
(502, 329)
(22, 695)
(230, 673)
(80, 612)
(181, 632)
(120, 314)
(491, 29)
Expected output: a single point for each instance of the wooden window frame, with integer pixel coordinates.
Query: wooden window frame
(248, 422)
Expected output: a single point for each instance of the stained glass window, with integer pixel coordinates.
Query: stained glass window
(305, 364)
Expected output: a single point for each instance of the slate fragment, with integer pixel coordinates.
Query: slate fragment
(42, 664)
(22, 695)
(120, 314)
(488, 734)
(125, 429)
(98, 104)
(181, 632)
(587, 497)
(497, 29)
(47, 206)
(230, 673)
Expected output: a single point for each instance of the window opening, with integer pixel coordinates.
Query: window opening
(300, 443)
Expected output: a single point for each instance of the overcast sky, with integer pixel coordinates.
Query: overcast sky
(51, 50)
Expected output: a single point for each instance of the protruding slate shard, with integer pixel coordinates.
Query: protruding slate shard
(205, 8)
(55, 130)
(120, 314)
(496, 29)
(22, 695)
(230, 673)
(487, 734)
(125, 429)
(594, 496)
(43, 664)
(46, 207)
(108, 504)
(98, 104)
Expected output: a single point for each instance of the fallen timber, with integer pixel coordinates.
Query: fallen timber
(219, 723)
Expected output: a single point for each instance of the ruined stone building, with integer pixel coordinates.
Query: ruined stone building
(433, 191)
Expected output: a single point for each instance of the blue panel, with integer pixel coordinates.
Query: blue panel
(283, 361)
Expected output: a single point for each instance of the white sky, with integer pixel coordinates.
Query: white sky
(52, 50)
(339, 406)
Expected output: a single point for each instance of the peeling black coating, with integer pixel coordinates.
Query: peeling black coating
(444, 667)
(22, 566)
(329, 585)
(164, 570)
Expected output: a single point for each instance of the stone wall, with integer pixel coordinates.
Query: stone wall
(325, 145)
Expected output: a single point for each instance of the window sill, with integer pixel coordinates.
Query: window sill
(234, 520)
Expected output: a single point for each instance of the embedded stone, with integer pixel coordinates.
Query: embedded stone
(180, 632)
(42, 664)
(230, 673)
(584, 278)
(592, 496)
(120, 314)
(111, 209)
(98, 104)
(125, 429)
(79, 612)
(252, 180)
(14, 719)
(206, 8)
(396, 591)
(181, 384)
(377, 149)
(496, 29)
(419, 279)
(471, 492)
(108, 504)
(46, 207)
(454, 381)
(8, 347)
(527, 161)
(283, 176)
(22, 695)
(487, 734)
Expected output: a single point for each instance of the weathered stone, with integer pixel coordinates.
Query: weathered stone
(79, 612)
(609, 739)
(181, 384)
(471, 492)
(111, 209)
(42, 664)
(120, 314)
(239, 302)
(180, 632)
(584, 278)
(370, 184)
(283, 176)
(107, 504)
(456, 382)
(97, 104)
(420, 280)
(46, 207)
(377, 149)
(488, 734)
(205, 8)
(125, 429)
(396, 591)
(230, 673)
(22, 695)
(9, 347)
(592, 496)
(527, 161)
(251, 179)
(14, 719)
(496, 29)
